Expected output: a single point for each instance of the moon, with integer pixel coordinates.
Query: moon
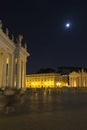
(67, 25)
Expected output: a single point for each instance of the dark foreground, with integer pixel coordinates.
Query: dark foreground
(48, 110)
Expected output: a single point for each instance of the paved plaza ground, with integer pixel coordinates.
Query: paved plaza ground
(48, 111)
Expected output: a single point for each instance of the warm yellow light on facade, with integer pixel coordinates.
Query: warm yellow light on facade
(74, 83)
(16, 60)
(7, 60)
(58, 84)
(47, 80)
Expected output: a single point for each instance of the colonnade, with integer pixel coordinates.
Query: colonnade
(13, 59)
(12, 71)
(78, 79)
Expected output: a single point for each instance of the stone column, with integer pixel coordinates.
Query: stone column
(4, 70)
(69, 81)
(18, 78)
(79, 81)
(12, 72)
(25, 73)
(75, 81)
(86, 80)
(22, 73)
(72, 81)
(9, 71)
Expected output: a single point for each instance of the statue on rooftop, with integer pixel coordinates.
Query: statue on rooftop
(25, 46)
(7, 31)
(0, 24)
(12, 37)
(20, 38)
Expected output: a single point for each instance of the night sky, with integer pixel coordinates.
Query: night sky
(42, 23)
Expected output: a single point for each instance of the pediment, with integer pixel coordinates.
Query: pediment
(74, 74)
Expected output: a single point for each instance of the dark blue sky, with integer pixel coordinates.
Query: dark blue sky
(42, 23)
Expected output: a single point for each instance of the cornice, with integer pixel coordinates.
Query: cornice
(7, 41)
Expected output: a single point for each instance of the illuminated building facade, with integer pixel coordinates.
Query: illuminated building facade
(46, 80)
(78, 79)
(12, 61)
